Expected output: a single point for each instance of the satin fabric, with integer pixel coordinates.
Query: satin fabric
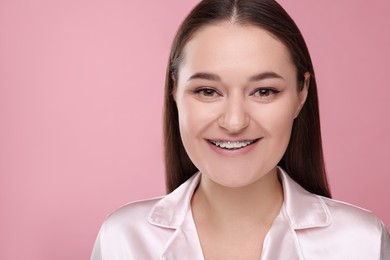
(307, 227)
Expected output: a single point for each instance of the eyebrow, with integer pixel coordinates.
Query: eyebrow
(215, 77)
(265, 75)
(205, 75)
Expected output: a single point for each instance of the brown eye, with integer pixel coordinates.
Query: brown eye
(206, 92)
(265, 92)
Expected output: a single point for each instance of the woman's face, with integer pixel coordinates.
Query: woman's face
(237, 96)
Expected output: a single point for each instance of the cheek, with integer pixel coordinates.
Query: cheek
(277, 120)
(191, 119)
(187, 117)
(195, 116)
(195, 120)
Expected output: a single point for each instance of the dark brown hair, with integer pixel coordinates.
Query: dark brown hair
(303, 159)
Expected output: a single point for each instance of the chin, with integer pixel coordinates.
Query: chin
(232, 176)
(234, 180)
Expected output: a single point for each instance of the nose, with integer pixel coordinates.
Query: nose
(234, 117)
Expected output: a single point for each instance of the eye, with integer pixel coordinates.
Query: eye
(265, 92)
(206, 92)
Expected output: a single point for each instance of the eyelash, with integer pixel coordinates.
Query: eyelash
(202, 91)
(258, 92)
(269, 92)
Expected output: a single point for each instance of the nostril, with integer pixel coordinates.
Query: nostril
(234, 124)
(234, 118)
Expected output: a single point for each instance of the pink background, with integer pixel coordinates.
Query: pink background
(81, 86)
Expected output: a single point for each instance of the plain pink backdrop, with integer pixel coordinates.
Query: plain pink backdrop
(81, 86)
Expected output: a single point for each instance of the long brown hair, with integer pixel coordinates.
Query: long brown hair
(303, 159)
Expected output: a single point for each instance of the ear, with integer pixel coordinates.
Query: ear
(302, 94)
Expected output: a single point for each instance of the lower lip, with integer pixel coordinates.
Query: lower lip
(233, 152)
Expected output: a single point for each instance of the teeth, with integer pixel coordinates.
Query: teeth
(232, 145)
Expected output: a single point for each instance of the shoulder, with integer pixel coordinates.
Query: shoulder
(130, 225)
(135, 208)
(127, 233)
(351, 233)
(133, 213)
(356, 226)
(350, 215)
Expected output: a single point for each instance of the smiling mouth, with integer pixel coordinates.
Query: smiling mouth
(233, 145)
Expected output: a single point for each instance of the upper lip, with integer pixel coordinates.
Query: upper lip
(233, 140)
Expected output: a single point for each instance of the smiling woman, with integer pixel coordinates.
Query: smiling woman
(243, 152)
(222, 100)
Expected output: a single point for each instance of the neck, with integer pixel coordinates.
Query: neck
(257, 202)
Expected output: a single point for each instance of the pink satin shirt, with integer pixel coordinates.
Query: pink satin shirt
(307, 227)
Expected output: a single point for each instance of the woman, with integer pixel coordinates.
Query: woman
(243, 153)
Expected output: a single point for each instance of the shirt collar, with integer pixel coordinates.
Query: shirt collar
(304, 209)
(171, 210)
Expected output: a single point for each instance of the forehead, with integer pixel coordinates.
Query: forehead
(236, 46)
